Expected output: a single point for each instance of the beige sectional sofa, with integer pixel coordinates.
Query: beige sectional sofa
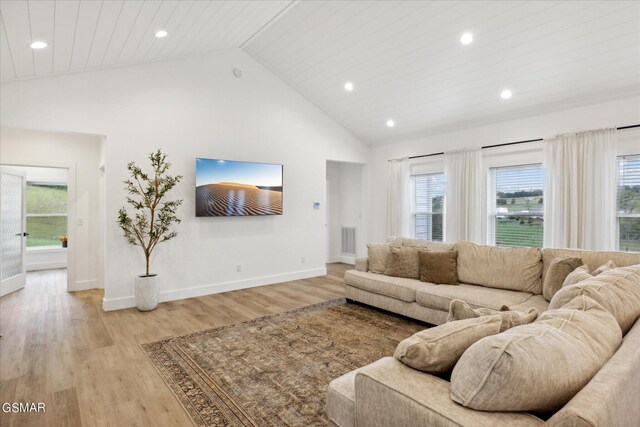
(389, 393)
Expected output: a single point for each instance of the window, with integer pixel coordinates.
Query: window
(628, 215)
(516, 206)
(429, 206)
(46, 214)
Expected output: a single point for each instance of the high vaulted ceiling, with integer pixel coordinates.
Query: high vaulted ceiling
(404, 58)
(93, 34)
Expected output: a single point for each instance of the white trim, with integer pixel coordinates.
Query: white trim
(214, 288)
(83, 285)
(345, 259)
(45, 249)
(8, 287)
(52, 265)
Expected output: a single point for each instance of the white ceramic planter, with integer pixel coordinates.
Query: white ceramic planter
(147, 293)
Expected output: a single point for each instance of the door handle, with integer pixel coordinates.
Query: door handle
(25, 234)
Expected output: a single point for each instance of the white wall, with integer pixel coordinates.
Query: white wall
(609, 114)
(195, 107)
(346, 186)
(80, 152)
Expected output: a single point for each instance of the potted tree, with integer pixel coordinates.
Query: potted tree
(150, 221)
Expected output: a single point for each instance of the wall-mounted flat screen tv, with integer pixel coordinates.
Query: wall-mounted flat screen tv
(230, 188)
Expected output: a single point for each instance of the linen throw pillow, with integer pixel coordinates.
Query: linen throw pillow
(558, 271)
(617, 290)
(439, 267)
(378, 256)
(540, 366)
(582, 273)
(438, 349)
(404, 262)
(459, 310)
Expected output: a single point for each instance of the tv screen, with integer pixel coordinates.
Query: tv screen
(230, 188)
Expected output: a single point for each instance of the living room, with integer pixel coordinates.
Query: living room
(293, 152)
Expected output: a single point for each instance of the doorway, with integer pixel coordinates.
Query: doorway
(34, 234)
(346, 231)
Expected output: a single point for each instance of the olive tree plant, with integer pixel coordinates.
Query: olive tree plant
(151, 218)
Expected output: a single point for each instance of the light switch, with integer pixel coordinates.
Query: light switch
(80, 221)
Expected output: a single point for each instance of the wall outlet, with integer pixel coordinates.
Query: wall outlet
(239, 268)
(303, 260)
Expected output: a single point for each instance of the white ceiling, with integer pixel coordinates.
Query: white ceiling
(92, 34)
(403, 57)
(407, 64)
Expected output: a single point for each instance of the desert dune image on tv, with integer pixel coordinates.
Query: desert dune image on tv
(230, 188)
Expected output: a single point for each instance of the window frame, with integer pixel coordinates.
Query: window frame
(48, 215)
(616, 207)
(492, 195)
(414, 211)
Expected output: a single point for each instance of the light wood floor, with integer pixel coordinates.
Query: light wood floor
(86, 365)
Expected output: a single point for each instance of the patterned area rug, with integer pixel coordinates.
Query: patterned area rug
(274, 370)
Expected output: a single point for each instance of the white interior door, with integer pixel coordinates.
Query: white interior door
(13, 230)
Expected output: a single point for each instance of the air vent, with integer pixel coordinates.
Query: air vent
(349, 240)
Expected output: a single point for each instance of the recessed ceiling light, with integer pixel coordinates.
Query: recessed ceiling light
(391, 123)
(348, 86)
(38, 45)
(466, 38)
(506, 94)
(162, 33)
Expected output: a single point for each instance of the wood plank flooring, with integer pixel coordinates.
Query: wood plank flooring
(86, 365)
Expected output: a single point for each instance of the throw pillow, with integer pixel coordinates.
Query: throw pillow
(582, 273)
(459, 310)
(438, 349)
(439, 267)
(609, 265)
(558, 271)
(378, 256)
(404, 262)
(537, 367)
(578, 275)
(617, 290)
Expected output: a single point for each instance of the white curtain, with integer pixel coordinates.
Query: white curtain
(398, 198)
(463, 201)
(580, 190)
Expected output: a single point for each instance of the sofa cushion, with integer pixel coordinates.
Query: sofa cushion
(592, 259)
(428, 245)
(540, 366)
(404, 261)
(396, 287)
(559, 269)
(389, 393)
(459, 310)
(617, 290)
(517, 269)
(536, 301)
(341, 400)
(378, 257)
(440, 296)
(439, 267)
(578, 275)
(438, 349)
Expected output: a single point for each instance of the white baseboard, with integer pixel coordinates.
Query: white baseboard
(46, 265)
(345, 259)
(82, 285)
(215, 288)
(7, 288)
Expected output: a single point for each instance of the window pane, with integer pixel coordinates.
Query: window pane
(519, 205)
(629, 203)
(46, 198)
(429, 227)
(46, 230)
(429, 201)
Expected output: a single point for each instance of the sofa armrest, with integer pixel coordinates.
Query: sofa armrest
(362, 264)
(389, 393)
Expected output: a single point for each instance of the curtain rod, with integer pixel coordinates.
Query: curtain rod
(512, 143)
